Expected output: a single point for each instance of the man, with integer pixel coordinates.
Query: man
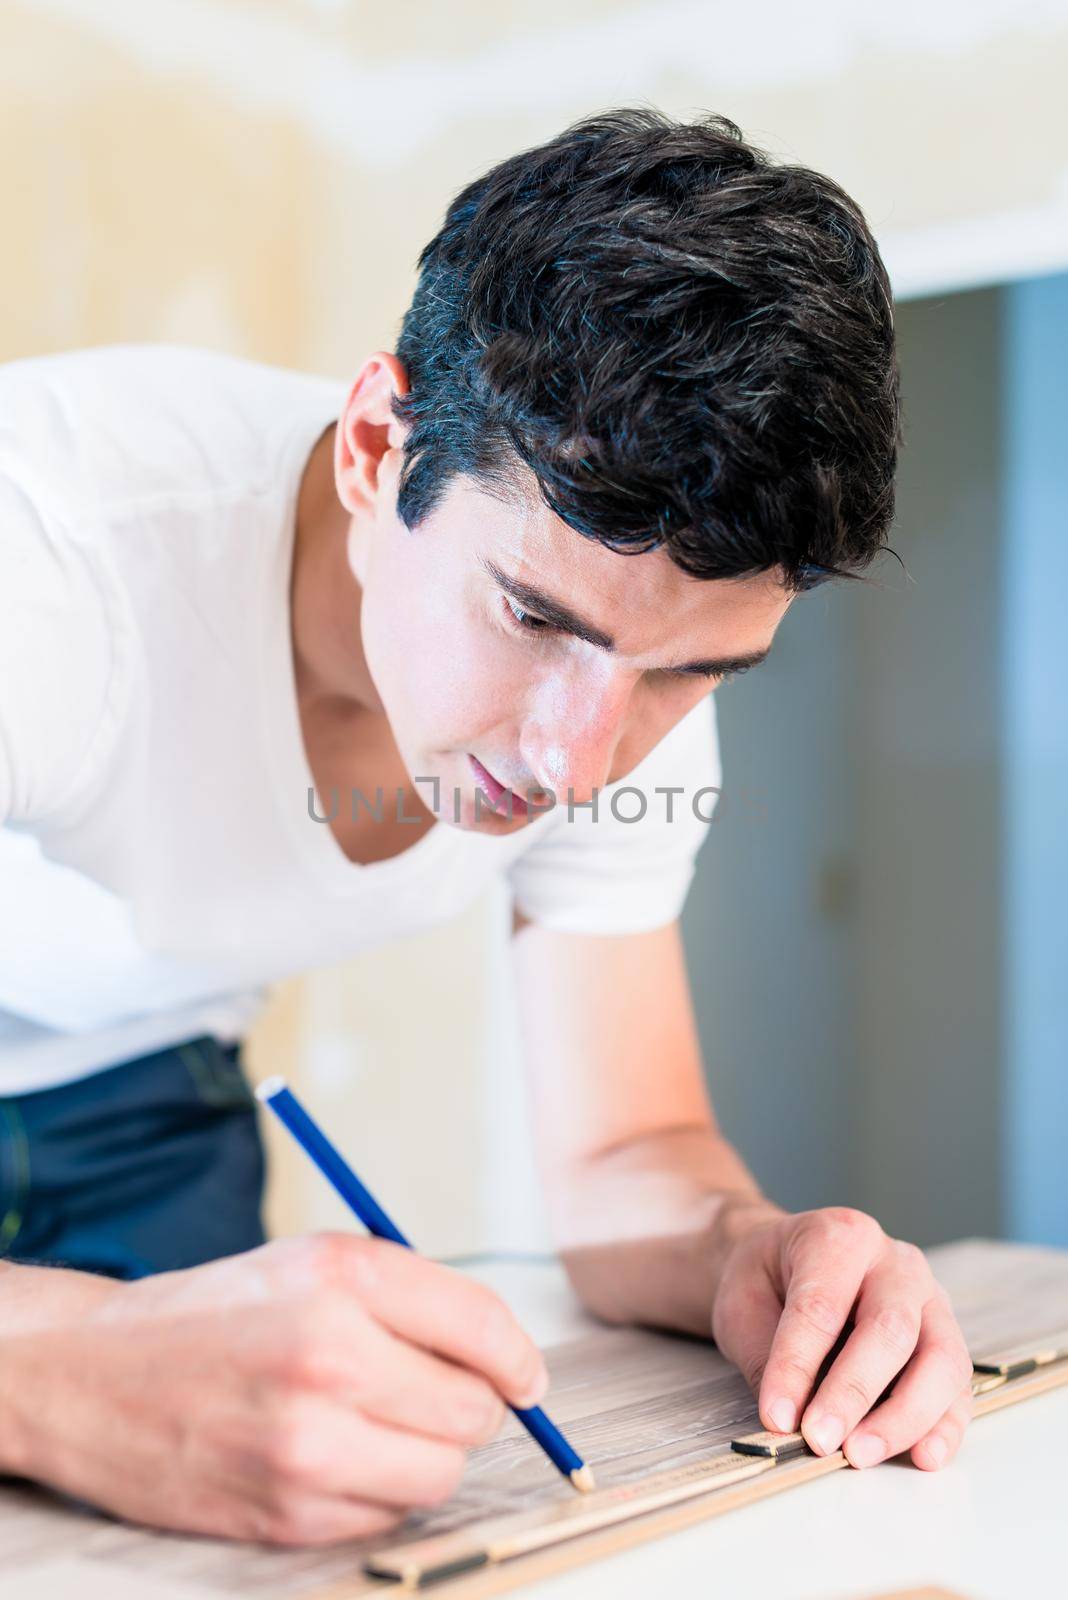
(645, 395)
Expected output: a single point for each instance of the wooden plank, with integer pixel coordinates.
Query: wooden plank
(636, 1403)
(774, 1476)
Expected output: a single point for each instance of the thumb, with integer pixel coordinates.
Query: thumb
(744, 1324)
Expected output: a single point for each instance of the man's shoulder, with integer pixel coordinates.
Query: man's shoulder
(689, 750)
(90, 431)
(126, 369)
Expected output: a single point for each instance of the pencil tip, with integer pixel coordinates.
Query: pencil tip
(583, 1480)
(269, 1088)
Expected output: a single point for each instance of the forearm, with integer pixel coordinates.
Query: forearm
(37, 1306)
(643, 1228)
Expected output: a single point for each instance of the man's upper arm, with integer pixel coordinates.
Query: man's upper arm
(609, 1040)
(56, 655)
(607, 1025)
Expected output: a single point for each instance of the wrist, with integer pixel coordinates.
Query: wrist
(736, 1220)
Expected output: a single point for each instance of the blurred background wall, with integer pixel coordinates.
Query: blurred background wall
(876, 935)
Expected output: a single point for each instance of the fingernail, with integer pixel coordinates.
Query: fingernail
(936, 1448)
(825, 1433)
(867, 1450)
(782, 1415)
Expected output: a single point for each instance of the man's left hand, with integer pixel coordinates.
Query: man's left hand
(787, 1289)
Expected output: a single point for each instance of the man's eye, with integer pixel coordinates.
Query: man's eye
(525, 619)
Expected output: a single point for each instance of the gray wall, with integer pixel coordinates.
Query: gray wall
(845, 930)
(1035, 685)
(767, 923)
(926, 738)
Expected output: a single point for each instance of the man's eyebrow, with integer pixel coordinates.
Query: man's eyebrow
(550, 610)
(561, 616)
(722, 666)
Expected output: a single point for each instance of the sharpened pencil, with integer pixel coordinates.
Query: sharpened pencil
(273, 1092)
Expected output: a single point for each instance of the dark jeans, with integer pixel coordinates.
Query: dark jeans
(144, 1167)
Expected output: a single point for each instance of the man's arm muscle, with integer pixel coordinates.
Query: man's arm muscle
(641, 1183)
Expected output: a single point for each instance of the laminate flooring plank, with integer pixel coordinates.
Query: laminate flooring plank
(632, 1402)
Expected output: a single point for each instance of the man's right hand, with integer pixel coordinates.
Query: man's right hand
(312, 1390)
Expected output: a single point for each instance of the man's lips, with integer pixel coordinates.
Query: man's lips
(495, 791)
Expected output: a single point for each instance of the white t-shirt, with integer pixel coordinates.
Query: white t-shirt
(158, 861)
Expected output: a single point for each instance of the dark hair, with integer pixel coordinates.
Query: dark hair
(687, 345)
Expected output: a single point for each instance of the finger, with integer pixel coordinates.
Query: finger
(426, 1394)
(938, 1447)
(824, 1280)
(887, 1321)
(412, 1389)
(356, 1360)
(317, 1447)
(929, 1385)
(313, 1519)
(744, 1329)
(433, 1306)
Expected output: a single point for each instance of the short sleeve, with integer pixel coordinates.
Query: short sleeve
(628, 867)
(55, 663)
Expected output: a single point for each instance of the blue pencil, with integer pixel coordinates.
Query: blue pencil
(289, 1111)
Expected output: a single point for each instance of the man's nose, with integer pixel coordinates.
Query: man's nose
(572, 750)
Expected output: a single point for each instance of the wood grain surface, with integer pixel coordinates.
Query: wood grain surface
(632, 1402)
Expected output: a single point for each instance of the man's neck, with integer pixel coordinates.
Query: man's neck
(324, 595)
(346, 734)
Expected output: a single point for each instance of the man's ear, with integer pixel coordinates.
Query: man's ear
(368, 433)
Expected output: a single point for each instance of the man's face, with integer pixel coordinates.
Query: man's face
(486, 688)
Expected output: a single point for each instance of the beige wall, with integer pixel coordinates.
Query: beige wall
(258, 176)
